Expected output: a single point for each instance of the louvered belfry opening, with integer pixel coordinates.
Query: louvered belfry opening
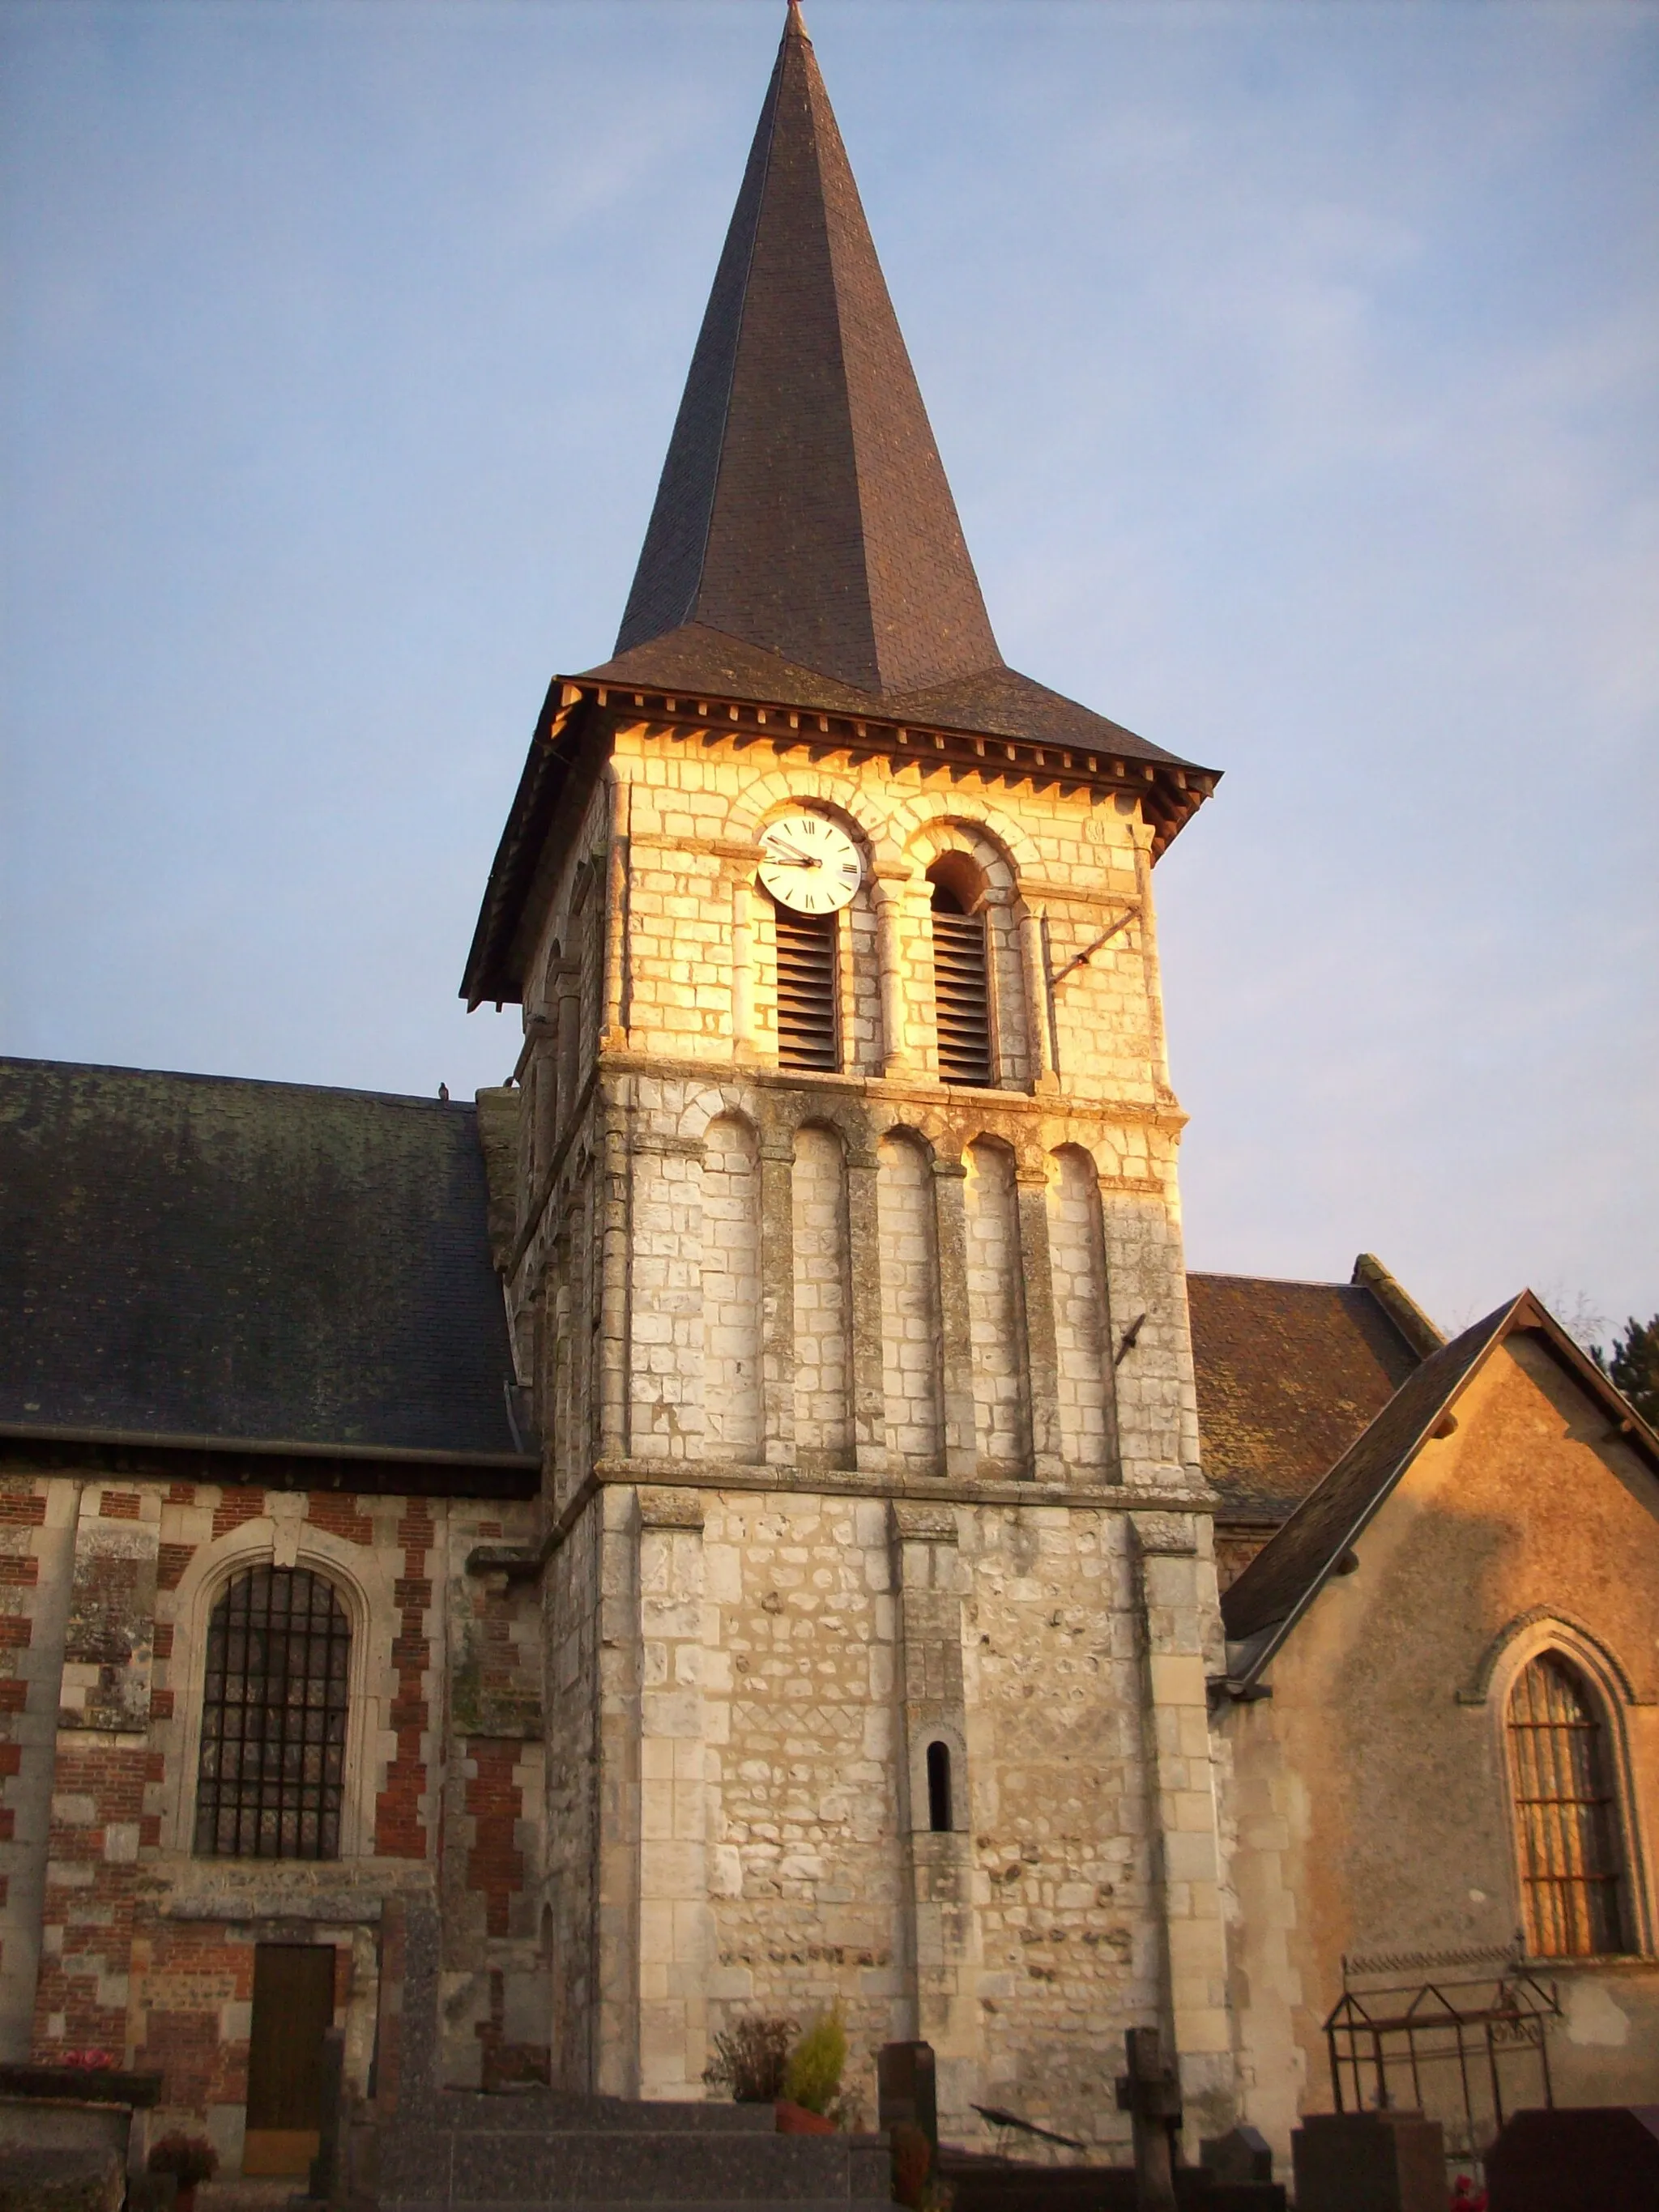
(271, 1775)
(1567, 1814)
(809, 1029)
(961, 995)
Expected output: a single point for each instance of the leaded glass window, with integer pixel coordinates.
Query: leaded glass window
(1567, 1814)
(272, 1774)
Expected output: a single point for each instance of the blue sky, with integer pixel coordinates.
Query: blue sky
(1295, 369)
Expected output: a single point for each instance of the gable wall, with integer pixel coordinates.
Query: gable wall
(1370, 1800)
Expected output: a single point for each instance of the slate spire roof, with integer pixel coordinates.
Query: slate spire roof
(803, 507)
(804, 550)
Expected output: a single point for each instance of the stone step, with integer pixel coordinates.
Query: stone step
(553, 2111)
(656, 2204)
(627, 2164)
(981, 2184)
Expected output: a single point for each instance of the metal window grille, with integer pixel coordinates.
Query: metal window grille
(272, 1774)
(809, 1032)
(962, 997)
(1566, 1814)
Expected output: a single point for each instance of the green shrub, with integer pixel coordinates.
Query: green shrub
(812, 2077)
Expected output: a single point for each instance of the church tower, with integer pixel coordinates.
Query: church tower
(845, 1275)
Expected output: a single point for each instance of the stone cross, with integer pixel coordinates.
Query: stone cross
(1151, 2093)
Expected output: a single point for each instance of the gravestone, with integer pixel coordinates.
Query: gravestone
(1578, 2159)
(1150, 2092)
(328, 2185)
(1368, 2162)
(907, 2090)
(1242, 2154)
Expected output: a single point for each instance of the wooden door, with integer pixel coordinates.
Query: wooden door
(293, 2009)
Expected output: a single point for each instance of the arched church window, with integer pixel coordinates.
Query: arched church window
(809, 1028)
(962, 991)
(1566, 1814)
(271, 1779)
(939, 1789)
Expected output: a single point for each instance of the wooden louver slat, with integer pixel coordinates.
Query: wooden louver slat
(808, 1030)
(962, 997)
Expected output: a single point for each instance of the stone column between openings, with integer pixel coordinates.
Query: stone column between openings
(1176, 1590)
(676, 1948)
(943, 1926)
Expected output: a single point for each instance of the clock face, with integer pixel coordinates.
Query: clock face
(808, 864)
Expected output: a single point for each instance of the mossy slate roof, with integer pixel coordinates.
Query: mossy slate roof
(1288, 1375)
(189, 1255)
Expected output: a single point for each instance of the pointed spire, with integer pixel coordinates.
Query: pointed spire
(803, 508)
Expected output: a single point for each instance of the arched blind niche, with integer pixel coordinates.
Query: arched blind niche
(1566, 1814)
(996, 1313)
(271, 1779)
(822, 1301)
(730, 1291)
(962, 984)
(912, 1327)
(1076, 1258)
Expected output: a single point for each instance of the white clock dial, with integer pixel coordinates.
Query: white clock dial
(809, 865)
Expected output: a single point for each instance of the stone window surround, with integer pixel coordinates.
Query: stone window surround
(1609, 1684)
(360, 1579)
(898, 892)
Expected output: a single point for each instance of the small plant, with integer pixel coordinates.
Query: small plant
(189, 2158)
(813, 2076)
(749, 2058)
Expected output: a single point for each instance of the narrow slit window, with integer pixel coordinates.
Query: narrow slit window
(271, 1775)
(961, 996)
(809, 1029)
(939, 1789)
(1566, 1814)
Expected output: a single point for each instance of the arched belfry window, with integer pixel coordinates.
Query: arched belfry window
(1566, 1814)
(271, 1775)
(809, 1028)
(962, 991)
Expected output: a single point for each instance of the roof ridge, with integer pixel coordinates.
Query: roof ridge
(20, 1061)
(1292, 1567)
(1423, 1335)
(1435, 1382)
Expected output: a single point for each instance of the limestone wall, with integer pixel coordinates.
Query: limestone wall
(871, 1443)
(1057, 865)
(749, 1826)
(1371, 1798)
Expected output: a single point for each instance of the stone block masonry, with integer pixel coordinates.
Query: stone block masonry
(862, 1689)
